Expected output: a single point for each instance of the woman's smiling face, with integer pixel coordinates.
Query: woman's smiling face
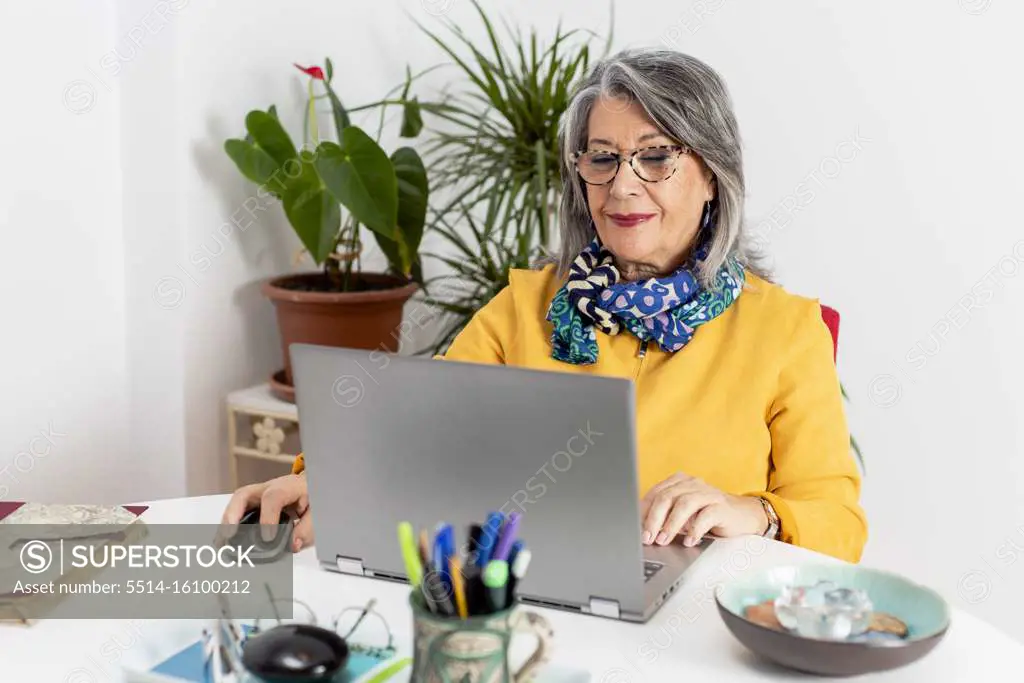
(648, 226)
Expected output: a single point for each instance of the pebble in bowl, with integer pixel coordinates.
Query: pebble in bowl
(783, 614)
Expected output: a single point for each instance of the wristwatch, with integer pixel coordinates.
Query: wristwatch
(773, 519)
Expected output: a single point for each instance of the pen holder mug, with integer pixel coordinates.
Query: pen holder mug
(475, 649)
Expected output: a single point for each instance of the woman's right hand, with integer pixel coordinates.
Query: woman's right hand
(272, 497)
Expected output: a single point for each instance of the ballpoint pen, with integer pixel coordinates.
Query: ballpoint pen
(444, 549)
(488, 538)
(449, 540)
(508, 535)
(410, 553)
(516, 547)
(440, 549)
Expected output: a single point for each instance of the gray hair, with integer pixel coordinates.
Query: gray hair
(689, 102)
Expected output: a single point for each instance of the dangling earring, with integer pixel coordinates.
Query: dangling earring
(705, 220)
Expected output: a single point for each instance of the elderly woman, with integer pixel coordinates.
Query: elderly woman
(740, 421)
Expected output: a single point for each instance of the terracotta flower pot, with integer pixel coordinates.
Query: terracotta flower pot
(364, 319)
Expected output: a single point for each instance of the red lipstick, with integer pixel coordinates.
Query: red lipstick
(630, 220)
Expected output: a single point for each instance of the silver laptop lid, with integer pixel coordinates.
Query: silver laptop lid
(390, 438)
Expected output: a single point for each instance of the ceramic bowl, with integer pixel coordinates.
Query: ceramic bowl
(925, 613)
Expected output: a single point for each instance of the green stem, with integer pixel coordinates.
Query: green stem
(359, 258)
(346, 282)
(372, 105)
(349, 285)
(312, 115)
(333, 273)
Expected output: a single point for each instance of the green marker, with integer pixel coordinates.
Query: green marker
(411, 553)
(496, 579)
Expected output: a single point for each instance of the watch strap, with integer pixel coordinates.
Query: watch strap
(773, 519)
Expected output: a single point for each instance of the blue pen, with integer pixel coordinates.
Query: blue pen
(436, 554)
(449, 546)
(508, 535)
(444, 547)
(516, 547)
(488, 538)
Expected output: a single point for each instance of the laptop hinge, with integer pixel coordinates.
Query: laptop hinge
(604, 608)
(350, 565)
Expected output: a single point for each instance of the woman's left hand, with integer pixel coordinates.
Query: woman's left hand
(685, 503)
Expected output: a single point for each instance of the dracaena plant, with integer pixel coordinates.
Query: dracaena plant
(495, 155)
(330, 189)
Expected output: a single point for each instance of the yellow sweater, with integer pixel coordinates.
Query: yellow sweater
(752, 404)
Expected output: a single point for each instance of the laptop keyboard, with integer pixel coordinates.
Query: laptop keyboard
(650, 569)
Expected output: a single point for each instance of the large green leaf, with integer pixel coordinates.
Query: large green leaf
(413, 189)
(253, 162)
(411, 175)
(273, 112)
(268, 133)
(316, 217)
(360, 175)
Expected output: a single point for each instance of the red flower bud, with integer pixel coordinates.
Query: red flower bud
(314, 71)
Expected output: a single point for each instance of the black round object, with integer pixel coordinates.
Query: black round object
(290, 653)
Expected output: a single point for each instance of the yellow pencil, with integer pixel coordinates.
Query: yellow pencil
(455, 568)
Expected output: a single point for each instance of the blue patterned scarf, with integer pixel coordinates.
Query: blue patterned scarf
(666, 310)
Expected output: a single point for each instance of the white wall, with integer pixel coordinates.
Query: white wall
(235, 239)
(912, 139)
(145, 61)
(62, 422)
(901, 119)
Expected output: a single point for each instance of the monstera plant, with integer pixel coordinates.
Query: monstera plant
(329, 189)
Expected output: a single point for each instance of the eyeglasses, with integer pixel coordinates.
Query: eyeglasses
(651, 164)
(375, 638)
(364, 629)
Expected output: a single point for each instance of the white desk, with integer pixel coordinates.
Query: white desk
(685, 641)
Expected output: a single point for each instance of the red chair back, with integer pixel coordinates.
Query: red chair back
(831, 318)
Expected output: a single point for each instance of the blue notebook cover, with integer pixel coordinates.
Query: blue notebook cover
(187, 666)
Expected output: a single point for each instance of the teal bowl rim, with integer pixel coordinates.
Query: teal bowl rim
(947, 613)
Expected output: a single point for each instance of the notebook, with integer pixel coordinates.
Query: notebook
(186, 666)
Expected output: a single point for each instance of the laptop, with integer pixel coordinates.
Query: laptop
(390, 438)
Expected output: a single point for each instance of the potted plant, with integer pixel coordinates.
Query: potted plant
(329, 190)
